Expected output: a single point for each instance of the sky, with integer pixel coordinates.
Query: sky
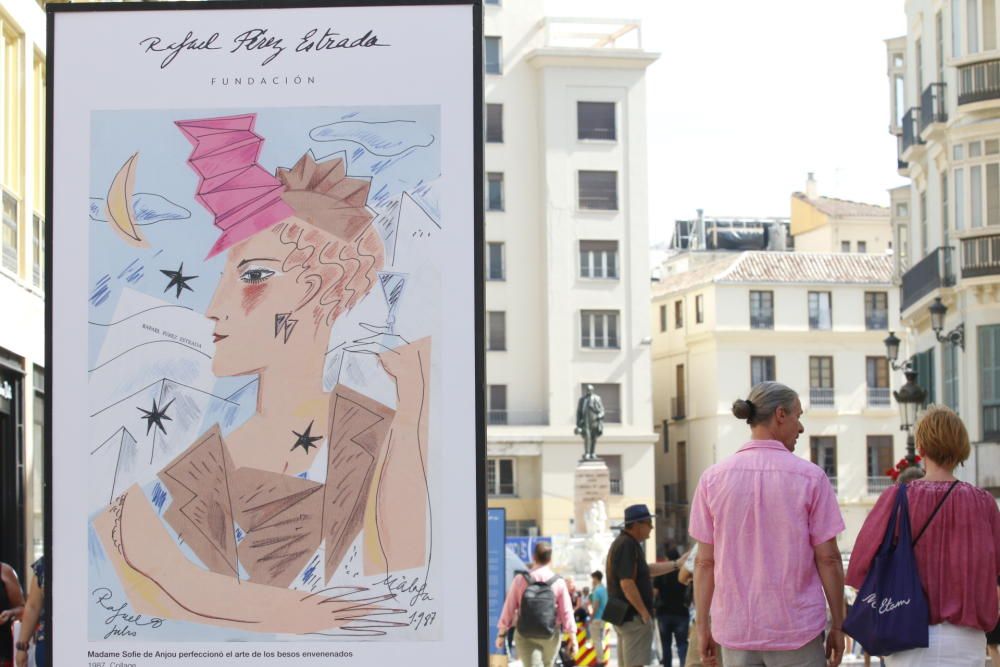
(748, 97)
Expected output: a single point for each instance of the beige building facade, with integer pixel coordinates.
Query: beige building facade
(945, 111)
(814, 321)
(567, 267)
(827, 224)
(22, 280)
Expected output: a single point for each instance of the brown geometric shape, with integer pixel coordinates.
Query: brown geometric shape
(281, 517)
(357, 434)
(202, 509)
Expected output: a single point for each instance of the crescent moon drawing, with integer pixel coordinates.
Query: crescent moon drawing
(121, 217)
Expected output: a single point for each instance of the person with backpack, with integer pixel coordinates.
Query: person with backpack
(539, 609)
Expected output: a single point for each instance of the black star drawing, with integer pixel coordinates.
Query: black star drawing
(178, 280)
(306, 439)
(156, 416)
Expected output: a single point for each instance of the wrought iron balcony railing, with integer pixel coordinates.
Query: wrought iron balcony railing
(932, 106)
(821, 396)
(878, 397)
(979, 82)
(876, 485)
(911, 128)
(933, 271)
(981, 256)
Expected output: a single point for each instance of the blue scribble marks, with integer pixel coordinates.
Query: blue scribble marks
(380, 138)
(101, 291)
(149, 209)
(132, 273)
(310, 571)
(303, 475)
(239, 534)
(159, 498)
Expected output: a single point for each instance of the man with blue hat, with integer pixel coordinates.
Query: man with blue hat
(630, 588)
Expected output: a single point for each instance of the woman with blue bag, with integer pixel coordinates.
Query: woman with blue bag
(925, 560)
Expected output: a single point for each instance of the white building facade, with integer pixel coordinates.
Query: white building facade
(567, 267)
(815, 322)
(945, 109)
(22, 280)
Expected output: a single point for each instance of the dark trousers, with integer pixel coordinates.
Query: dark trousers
(673, 627)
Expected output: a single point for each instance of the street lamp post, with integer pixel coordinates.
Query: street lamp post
(910, 396)
(956, 336)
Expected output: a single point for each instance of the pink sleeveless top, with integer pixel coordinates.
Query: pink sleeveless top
(958, 556)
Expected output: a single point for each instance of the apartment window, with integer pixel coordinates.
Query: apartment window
(898, 99)
(944, 209)
(876, 310)
(879, 462)
(678, 409)
(521, 527)
(820, 310)
(500, 477)
(761, 310)
(821, 380)
(598, 190)
(993, 194)
(37, 473)
(494, 191)
(682, 494)
(902, 210)
(989, 380)
(38, 250)
(614, 463)
(599, 329)
(845, 246)
(9, 258)
(496, 334)
(761, 370)
(923, 224)
(975, 196)
(949, 375)
(989, 25)
(494, 123)
(939, 44)
(699, 309)
(862, 246)
(877, 381)
(610, 393)
(956, 28)
(12, 112)
(595, 120)
(959, 198)
(493, 56)
(678, 314)
(599, 259)
(496, 404)
(823, 452)
(663, 317)
(495, 262)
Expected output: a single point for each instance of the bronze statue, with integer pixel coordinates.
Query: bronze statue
(589, 421)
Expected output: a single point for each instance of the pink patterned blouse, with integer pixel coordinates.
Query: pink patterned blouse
(958, 557)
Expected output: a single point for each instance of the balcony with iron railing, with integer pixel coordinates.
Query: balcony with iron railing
(979, 82)
(821, 397)
(911, 130)
(616, 486)
(878, 397)
(876, 485)
(517, 417)
(932, 106)
(932, 272)
(981, 255)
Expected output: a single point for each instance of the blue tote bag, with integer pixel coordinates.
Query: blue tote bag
(891, 612)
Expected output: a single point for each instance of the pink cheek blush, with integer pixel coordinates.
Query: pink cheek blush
(252, 295)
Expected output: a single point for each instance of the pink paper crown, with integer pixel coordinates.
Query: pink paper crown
(243, 197)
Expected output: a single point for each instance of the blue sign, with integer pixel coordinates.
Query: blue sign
(496, 565)
(524, 547)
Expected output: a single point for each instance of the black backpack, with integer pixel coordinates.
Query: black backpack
(537, 616)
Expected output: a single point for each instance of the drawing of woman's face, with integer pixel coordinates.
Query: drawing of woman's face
(265, 307)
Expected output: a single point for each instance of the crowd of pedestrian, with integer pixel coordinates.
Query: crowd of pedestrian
(764, 584)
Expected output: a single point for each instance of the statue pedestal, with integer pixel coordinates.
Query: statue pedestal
(591, 484)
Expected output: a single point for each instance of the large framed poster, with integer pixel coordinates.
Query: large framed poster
(264, 302)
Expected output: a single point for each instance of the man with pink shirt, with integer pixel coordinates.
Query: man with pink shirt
(766, 522)
(547, 647)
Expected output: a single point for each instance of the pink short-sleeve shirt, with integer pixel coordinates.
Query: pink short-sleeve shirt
(764, 509)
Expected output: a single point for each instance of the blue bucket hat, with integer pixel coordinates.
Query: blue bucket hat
(634, 513)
